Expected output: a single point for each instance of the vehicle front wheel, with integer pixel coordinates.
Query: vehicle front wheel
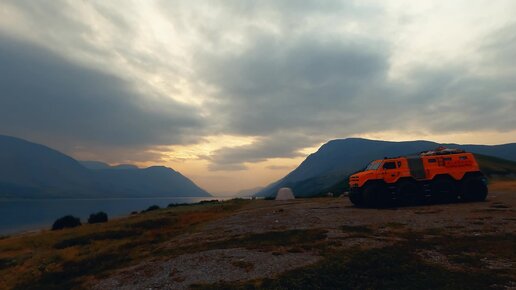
(377, 196)
(356, 197)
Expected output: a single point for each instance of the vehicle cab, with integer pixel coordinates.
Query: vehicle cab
(388, 170)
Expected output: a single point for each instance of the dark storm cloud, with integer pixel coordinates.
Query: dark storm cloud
(330, 88)
(277, 85)
(273, 146)
(290, 74)
(44, 96)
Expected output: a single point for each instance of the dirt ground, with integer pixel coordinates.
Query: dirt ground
(345, 226)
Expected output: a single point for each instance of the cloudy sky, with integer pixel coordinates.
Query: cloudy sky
(235, 94)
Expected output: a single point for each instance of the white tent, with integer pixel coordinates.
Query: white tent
(285, 193)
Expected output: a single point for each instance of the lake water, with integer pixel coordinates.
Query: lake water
(24, 215)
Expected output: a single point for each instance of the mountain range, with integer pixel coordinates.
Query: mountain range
(30, 170)
(324, 170)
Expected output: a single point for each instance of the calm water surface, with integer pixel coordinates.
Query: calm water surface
(24, 215)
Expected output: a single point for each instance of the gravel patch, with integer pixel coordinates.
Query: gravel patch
(206, 267)
(337, 216)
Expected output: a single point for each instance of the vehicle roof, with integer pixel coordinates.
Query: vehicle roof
(426, 155)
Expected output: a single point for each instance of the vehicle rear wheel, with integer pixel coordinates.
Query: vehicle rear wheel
(474, 189)
(444, 190)
(410, 193)
(377, 196)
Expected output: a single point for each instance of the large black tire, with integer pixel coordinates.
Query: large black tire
(377, 196)
(473, 189)
(409, 192)
(444, 190)
(356, 197)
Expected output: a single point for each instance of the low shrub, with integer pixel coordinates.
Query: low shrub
(356, 229)
(88, 239)
(100, 217)
(208, 201)
(151, 208)
(171, 205)
(6, 263)
(68, 221)
(152, 224)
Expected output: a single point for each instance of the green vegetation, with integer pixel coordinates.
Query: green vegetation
(88, 239)
(337, 188)
(151, 208)
(493, 166)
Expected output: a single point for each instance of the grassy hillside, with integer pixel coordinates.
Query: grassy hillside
(349, 248)
(68, 258)
(356, 248)
(496, 167)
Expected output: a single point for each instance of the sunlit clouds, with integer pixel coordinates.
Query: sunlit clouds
(234, 94)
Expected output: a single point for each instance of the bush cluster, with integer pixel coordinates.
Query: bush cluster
(151, 208)
(100, 217)
(68, 221)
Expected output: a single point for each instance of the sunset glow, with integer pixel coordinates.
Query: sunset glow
(235, 94)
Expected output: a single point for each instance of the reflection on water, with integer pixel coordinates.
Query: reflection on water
(22, 215)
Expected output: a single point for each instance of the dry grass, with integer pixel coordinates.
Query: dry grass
(357, 229)
(68, 258)
(475, 261)
(358, 248)
(500, 185)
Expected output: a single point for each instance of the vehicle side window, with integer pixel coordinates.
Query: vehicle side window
(463, 157)
(431, 160)
(399, 164)
(389, 165)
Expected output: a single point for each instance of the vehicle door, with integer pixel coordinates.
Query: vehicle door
(390, 171)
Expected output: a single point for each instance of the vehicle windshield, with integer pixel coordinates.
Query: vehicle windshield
(373, 165)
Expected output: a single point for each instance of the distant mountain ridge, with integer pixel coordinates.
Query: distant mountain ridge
(30, 170)
(248, 192)
(95, 165)
(338, 158)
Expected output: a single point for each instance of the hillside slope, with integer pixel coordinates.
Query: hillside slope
(30, 170)
(496, 167)
(33, 170)
(155, 180)
(317, 243)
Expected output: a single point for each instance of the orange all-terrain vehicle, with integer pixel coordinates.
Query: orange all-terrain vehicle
(442, 175)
